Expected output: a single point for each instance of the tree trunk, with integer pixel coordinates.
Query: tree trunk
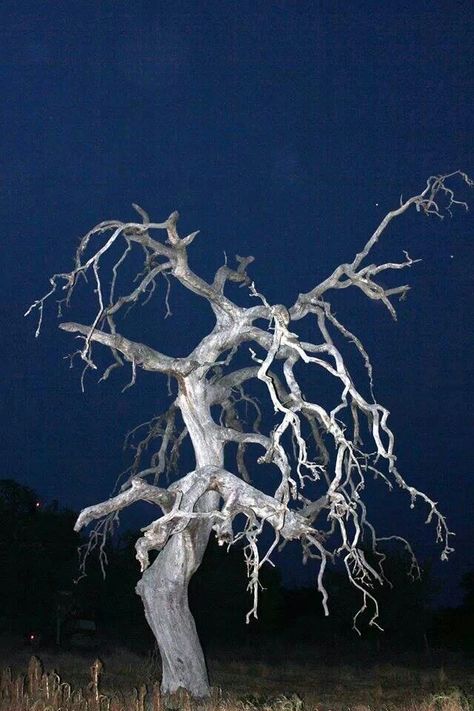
(164, 591)
(164, 585)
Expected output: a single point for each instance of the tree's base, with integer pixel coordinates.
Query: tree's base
(182, 700)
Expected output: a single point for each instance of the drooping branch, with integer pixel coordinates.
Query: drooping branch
(179, 503)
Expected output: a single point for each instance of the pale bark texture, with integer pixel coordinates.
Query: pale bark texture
(323, 456)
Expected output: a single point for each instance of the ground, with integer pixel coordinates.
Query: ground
(277, 678)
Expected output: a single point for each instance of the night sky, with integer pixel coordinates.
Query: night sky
(285, 130)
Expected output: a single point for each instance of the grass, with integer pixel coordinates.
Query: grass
(129, 682)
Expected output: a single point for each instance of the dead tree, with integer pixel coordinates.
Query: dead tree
(318, 452)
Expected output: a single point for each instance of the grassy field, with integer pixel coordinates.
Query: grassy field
(126, 681)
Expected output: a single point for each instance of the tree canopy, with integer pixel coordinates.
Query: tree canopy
(324, 454)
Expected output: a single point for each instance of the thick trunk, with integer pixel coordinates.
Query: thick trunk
(164, 585)
(164, 591)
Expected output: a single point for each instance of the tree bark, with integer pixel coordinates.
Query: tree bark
(164, 585)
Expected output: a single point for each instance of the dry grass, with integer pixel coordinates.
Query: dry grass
(338, 687)
(128, 682)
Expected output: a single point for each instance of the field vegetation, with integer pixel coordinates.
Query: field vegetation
(263, 681)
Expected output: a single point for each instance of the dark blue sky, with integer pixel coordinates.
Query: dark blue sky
(284, 130)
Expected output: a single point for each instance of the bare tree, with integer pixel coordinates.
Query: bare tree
(318, 452)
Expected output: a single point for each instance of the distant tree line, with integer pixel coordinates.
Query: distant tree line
(37, 557)
(39, 562)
